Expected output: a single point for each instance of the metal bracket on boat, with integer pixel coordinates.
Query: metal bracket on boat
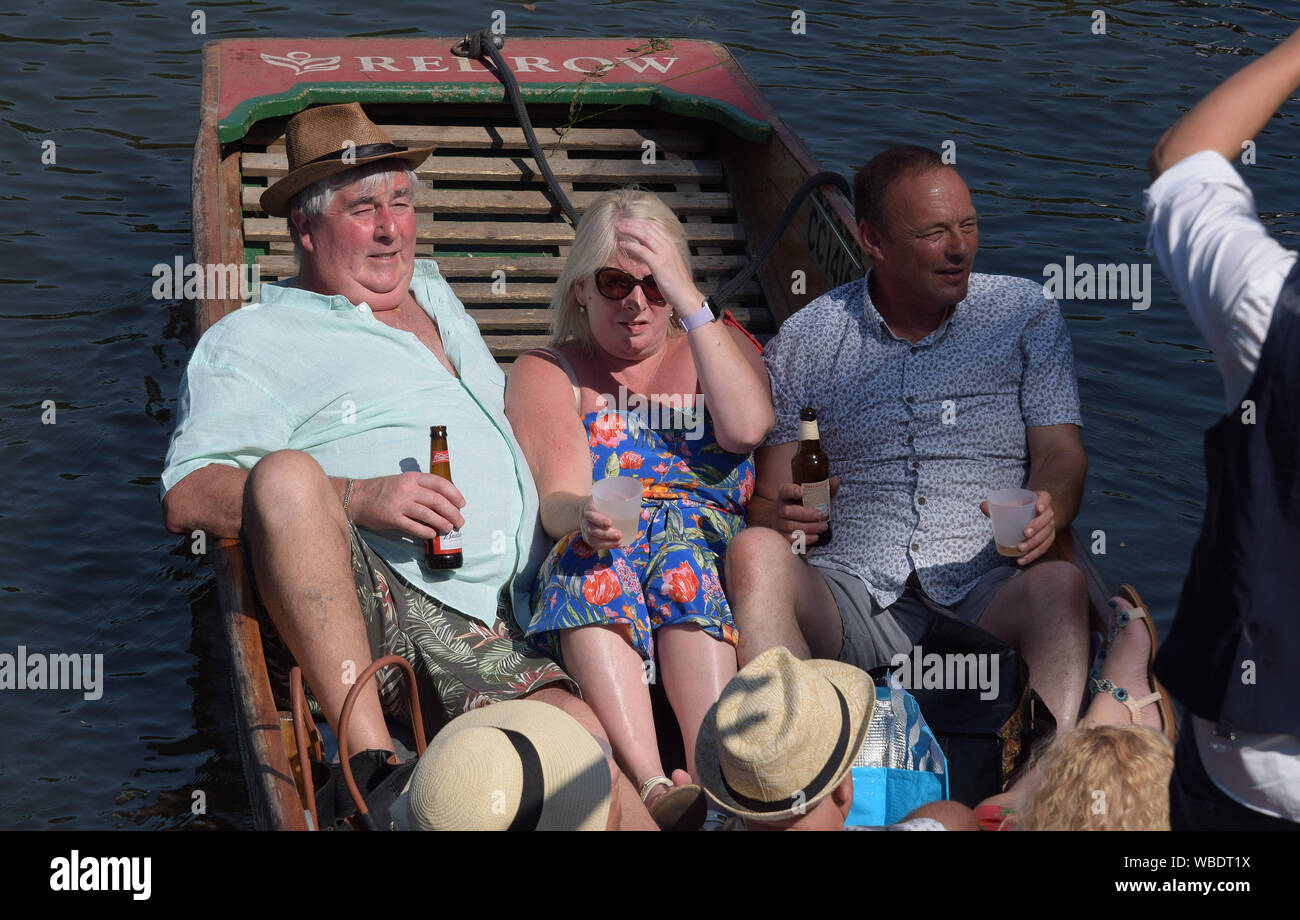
(471, 46)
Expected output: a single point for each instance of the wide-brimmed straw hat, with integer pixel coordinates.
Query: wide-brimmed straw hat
(783, 734)
(329, 139)
(516, 765)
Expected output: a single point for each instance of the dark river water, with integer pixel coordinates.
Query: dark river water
(1052, 124)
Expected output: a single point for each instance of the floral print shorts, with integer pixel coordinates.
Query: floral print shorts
(693, 503)
(460, 663)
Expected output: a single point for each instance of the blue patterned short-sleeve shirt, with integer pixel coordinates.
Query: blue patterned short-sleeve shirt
(920, 433)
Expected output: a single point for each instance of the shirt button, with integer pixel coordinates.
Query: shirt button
(911, 399)
(921, 500)
(914, 349)
(915, 547)
(910, 439)
(916, 464)
(364, 308)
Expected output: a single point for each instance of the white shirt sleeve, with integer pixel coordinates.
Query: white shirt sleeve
(1226, 268)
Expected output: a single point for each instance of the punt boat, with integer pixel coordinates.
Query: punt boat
(675, 116)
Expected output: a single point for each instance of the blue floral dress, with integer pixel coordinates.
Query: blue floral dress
(693, 502)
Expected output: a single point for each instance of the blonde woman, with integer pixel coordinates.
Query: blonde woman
(640, 382)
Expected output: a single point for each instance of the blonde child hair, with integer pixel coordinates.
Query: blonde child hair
(1102, 778)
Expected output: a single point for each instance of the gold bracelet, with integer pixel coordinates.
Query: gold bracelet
(347, 494)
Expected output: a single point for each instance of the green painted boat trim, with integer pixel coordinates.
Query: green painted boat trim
(243, 116)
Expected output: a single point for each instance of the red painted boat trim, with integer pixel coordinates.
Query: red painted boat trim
(262, 78)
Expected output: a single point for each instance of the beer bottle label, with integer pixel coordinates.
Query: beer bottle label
(440, 456)
(447, 543)
(808, 430)
(818, 495)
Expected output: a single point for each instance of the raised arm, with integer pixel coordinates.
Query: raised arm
(735, 385)
(1233, 112)
(731, 373)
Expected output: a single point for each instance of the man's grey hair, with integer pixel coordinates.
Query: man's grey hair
(315, 198)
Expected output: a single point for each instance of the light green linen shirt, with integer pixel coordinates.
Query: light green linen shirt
(309, 372)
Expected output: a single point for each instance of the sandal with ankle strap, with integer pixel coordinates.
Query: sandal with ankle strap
(681, 808)
(1160, 696)
(1122, 618)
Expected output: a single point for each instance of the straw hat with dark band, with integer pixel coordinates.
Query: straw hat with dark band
(317, 142)
(519, 765)
(783, 735)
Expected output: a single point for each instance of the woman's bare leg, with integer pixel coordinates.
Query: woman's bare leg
(695, 668)
(614, 683)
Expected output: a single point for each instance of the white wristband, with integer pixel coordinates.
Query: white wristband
(698, 318)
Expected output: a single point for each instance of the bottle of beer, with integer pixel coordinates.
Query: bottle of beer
(443, 551)
(811, 468)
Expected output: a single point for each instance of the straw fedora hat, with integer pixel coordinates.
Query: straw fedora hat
(317, 142)
(783, 734)
(515, 765)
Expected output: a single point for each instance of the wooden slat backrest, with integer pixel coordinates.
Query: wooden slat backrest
(484, 213)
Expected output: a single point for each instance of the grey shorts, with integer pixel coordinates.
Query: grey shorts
(874, 635)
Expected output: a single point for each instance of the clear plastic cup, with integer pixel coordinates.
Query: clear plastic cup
(619, 499)
(1011, 510)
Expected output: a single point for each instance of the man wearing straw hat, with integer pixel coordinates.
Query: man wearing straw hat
(301, 428)
(777, 748)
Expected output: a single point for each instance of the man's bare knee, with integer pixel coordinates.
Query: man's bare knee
(752, 553)
(1043, 599)
(1061, 587)
(572, 704)
(1067, 576)
(284, 482)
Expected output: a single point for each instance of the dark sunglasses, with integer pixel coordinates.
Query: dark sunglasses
(616, 284)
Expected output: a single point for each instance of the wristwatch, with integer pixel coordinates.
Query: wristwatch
(698, 318)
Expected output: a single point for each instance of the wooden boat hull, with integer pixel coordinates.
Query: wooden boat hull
(678, 116)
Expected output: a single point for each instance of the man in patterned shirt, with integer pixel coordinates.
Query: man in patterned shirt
(933, 387)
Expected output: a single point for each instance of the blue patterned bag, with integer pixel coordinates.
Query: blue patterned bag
(900, 766)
